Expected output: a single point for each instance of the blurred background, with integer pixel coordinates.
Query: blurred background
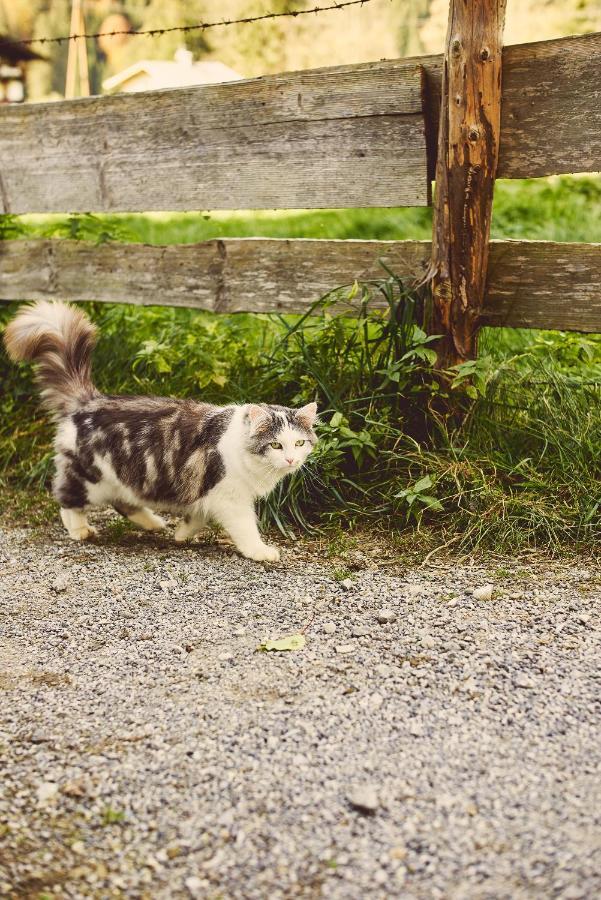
(381, 29)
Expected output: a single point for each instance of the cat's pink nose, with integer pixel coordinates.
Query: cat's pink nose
(289, 461)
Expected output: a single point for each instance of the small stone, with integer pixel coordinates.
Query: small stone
(76, 789)
(167, 585)
(346, 584)
(364, 799)
(225, 657)
(383, 670)
(39, 737)
(376, 700)
(385, 616)
(428, 642)
(416, 728)
(46, 791)
(345, 648)
(522, 680)
(329, 628)
(413, 590)
(583, 618)
(483, 593)
(194, 885)
(61, 583)
(79, 848)
(359, 632)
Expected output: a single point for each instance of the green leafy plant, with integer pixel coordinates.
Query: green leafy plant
(418, 498)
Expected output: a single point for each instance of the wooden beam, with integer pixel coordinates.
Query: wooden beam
(342, 137)
(531, 284)
(255, 144)
(468, 148)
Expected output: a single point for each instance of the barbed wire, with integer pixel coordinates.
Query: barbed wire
(199, 26)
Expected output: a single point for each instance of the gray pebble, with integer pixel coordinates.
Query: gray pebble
(386, 615)
(364, 798)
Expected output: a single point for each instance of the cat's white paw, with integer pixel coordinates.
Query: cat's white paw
(83, 533)
(182, 534)
(158, 524)
(263, 553)
(148, 520)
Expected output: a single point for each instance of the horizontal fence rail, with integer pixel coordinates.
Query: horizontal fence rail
(342, 137)
(531, 284)
(350, 136)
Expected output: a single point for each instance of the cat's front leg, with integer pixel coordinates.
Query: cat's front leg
(240, 522)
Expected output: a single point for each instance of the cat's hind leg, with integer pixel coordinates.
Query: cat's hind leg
(72, 493)
(188, 527)
(142, 516)
(76, 523)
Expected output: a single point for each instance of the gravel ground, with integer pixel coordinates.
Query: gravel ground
(423, 744)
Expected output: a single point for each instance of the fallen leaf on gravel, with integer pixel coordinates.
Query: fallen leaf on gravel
(292, 642)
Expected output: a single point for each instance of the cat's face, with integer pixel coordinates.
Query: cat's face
(281, 437)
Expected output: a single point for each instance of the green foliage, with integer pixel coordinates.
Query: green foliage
(112, 816)
(516, 463)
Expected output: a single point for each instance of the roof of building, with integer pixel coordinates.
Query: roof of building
(13, 52)
(174, 73)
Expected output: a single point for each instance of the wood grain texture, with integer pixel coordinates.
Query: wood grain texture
(551, 113)
(531, 284)
(468, 149)
(275, 142)
(343, 137)
(551, 107)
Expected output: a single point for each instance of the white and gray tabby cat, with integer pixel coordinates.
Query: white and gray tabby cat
(140, 454)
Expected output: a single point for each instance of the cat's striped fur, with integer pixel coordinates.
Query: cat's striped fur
(141, 454)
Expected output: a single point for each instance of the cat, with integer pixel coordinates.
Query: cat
(141, 454)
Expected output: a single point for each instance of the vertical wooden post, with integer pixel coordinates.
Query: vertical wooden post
(468, 149)
(77, 52)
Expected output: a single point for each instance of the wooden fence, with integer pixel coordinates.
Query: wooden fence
(351, 136)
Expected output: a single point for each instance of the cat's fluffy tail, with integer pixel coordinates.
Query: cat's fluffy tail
(59, 338)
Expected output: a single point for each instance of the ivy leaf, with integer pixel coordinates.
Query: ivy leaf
(422, 484)
(430, 502)
(292, 642)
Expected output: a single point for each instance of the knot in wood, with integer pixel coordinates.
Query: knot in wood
(484, 54)
(473, 133)
(456, 47)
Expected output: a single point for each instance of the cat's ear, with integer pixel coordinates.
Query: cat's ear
(258, 418)
(307, 415)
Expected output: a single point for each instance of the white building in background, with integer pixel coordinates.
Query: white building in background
(155, 74)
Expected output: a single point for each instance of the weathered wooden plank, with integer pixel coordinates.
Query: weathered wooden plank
(343, 137)
(551, 113)
(531, 284)
(468, 149)
(275, 141)
(544, 284)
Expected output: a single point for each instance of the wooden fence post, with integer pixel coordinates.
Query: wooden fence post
(468, 149)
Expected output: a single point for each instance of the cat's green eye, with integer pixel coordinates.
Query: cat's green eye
(275, 445)
(299, 443)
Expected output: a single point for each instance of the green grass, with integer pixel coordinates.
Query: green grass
(566, 208)
(517, 464)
